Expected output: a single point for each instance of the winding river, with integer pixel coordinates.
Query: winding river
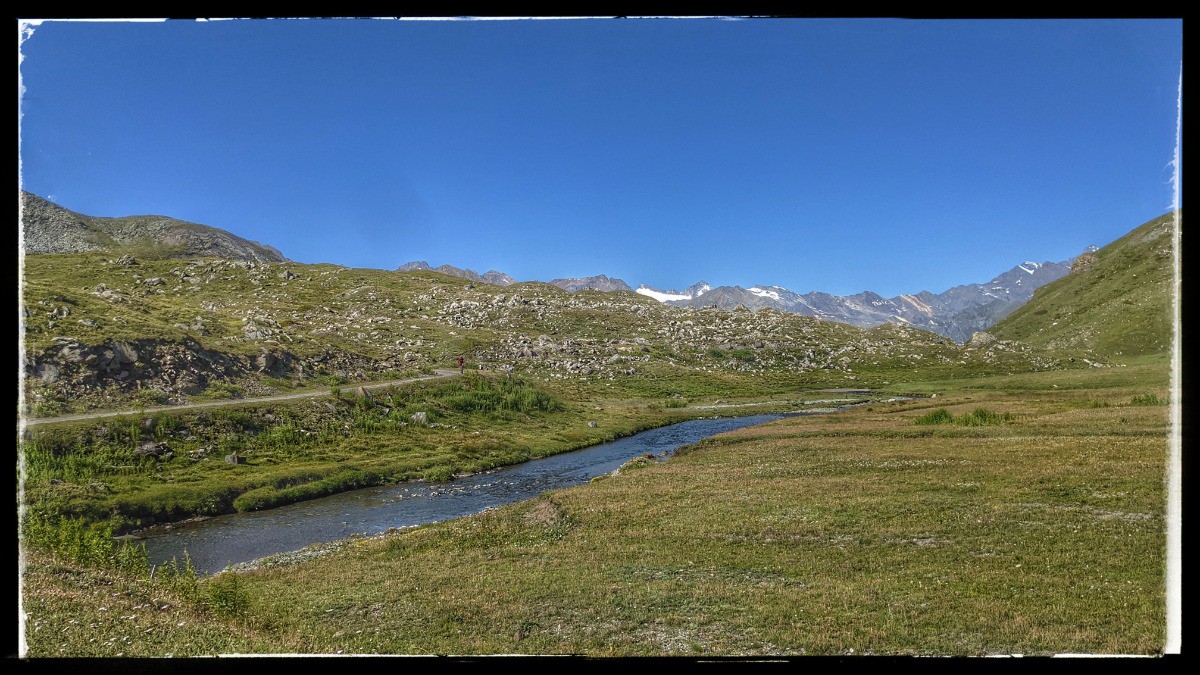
(215, 543)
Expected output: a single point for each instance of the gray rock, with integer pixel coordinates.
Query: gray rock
(420, 418)
(234, 459)
(187, 384)
(158, 449)
(592, 424)
(48, 373)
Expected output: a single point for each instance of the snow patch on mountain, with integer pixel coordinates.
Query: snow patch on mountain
(764, 293)
(921, 307)
(661, 296)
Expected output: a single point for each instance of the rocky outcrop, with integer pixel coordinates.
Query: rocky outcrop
(70, 370)
(1083, 263)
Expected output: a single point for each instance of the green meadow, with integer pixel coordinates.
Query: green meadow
(1021, 514)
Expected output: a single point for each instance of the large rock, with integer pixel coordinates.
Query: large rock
(156, 449)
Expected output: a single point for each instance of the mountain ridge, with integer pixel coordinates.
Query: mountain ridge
(956, 313)
(50, 228)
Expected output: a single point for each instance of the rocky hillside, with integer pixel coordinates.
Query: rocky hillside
(99, 331)
(49, 228)
(1116, 301)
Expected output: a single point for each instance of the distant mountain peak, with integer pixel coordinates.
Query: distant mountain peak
(955, 313)
(414, 265)
(599, 282)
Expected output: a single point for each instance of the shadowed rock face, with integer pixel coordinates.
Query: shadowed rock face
(49, 228)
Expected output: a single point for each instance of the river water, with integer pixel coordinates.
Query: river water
(215, 543)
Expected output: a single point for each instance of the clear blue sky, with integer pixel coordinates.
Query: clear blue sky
(833, 155)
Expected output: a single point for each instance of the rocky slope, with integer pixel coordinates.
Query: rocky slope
(100, 331)
(49, 228)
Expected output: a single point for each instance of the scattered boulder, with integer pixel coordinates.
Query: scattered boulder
(234, 459)
(592, 424)
(981, 339)
(420, 418)
(48, 373)
(156, 449)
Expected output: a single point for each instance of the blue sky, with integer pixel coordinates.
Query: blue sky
(837, 155)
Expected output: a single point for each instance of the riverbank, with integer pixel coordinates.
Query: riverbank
(140, 471)
(1035, 527)
(235, 539)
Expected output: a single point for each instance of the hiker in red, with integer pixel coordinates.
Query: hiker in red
(460, 365)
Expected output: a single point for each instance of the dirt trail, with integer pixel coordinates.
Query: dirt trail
(441, 373)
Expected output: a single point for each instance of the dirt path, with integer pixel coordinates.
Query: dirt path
(237, 401)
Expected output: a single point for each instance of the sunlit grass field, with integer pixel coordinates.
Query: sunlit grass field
(1028, 518)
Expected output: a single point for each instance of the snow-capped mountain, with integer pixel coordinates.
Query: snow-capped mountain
(955, 313)
(690, 293)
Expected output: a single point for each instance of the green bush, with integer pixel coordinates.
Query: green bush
(226, 596)
(975, 418)
(151, 397)
(982, 417)
(1147, 399)
(223, 390)
(939, 416)
(475, 394)
(88, 545)
(742, 354)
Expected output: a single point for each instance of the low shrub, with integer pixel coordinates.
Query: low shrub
(939, 416)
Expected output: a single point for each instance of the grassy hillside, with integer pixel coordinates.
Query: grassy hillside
(100, 332)
(1118, 307)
